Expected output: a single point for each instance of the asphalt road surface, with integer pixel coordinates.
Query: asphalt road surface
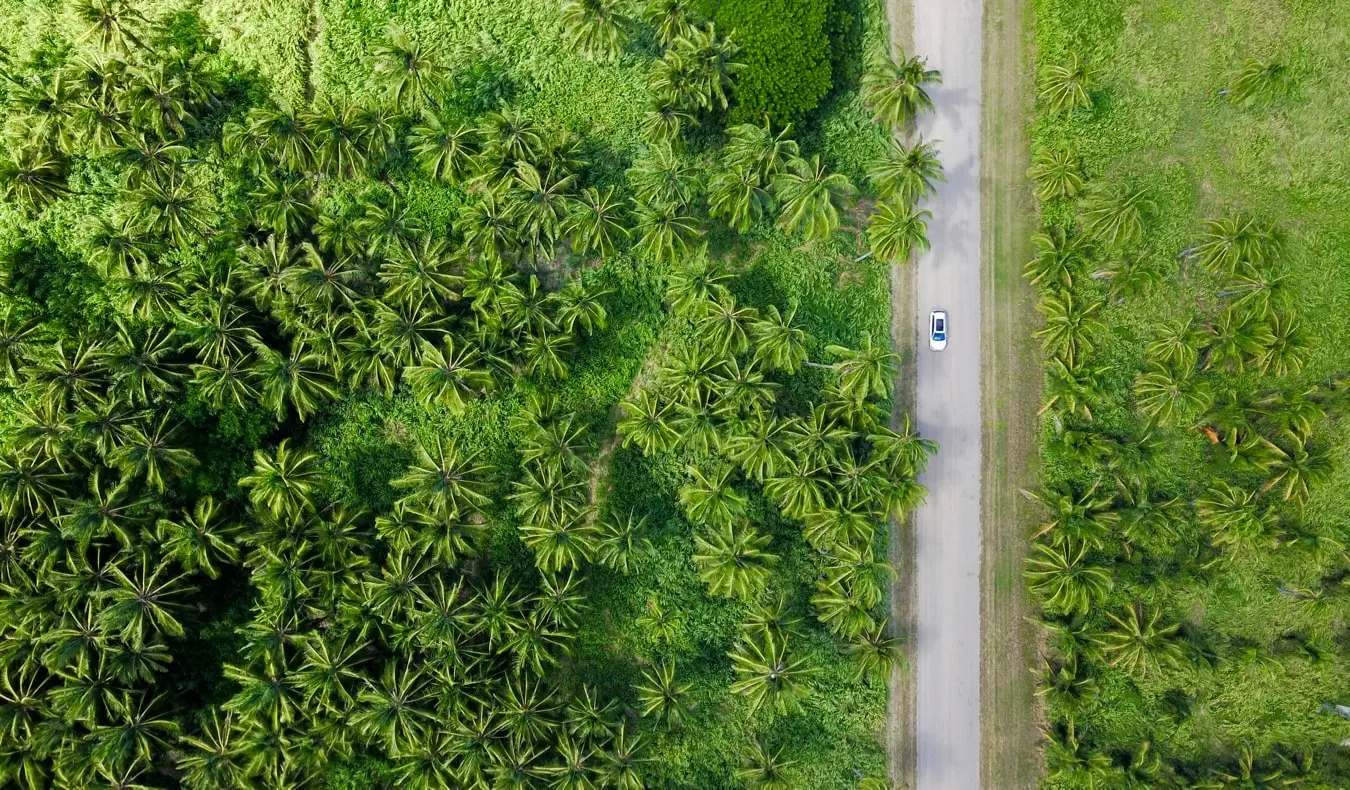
(947, 638)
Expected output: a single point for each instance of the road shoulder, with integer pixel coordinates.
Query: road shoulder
(1011, 386)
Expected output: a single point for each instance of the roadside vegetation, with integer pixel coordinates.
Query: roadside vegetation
(1192, 567)
(466, 397)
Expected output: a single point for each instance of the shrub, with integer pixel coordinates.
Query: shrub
(785, 49)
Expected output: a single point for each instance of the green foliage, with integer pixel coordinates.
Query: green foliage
(785, 47)
(1182, 248)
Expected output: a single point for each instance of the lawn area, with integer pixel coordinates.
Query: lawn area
(1254, 632)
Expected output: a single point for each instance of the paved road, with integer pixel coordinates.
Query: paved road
(947, 638)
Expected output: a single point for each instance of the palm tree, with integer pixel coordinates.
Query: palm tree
(200, 539)
(1236, 239)
(665, 233)
(416, 275)
(1177, 345)
(662, 124)
(1066, 86)
(449, 483)
(1068, 761)
(671, 19)
(341, 140)
(1084, 515)
(282, 204)
(737, 196)
(1069, 326)
(32, 178)
(1066, 682)
(709, 61)
(778, 342)
(1297, 468)
(1259, 82)
(877, 653)
(734, 561)
(865, 371)
(597, 223)
(1072, 390)
(810, 197)
(766, 770)
(661, 695)
(1140, 643)
(396, 711)
(1284, 352)
(897, 229)
(1129, 275)
(283, 484)
(144, 605)
(758, 151)
(1117, 217)
(663, 177)
(580, 309)
(598, 28)
(111, 23)
(149, 453)
(410, 69)
(1056, 174)
(711, 500)
(1064, 581)
(767, 674)
(646, 423)
(907, 174)
(302, 379)
(447, 376)
(895, 91)
(444, 154)
(1166, 395)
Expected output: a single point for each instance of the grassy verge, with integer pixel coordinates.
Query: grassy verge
(1010, 394)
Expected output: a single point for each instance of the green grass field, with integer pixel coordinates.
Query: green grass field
(1259, 663)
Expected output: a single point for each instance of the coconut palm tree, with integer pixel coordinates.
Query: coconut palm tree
(778, 342)
(1064, 580)
(1259, 82)
(410, 69)
(301, 379)
(1116, 217)
(1072, 390)
(1167, 395)
(597, 28)
(32, 178)
(1140, 643)
(1297, 468)
(646, 423)
(446, 375)
(285, 482)
(1130, 275)
(449, 482)
(660, 695)
(1178, 344)
(597, 223)
(1058, 257)
(1055, 173)
(895, 92)
(1285, 351)
(810, 198)
(665, 233)
(763, 769)
(759, 151)
(111, 24)
(1069, 326)
(1067, 760)
(1066, 86)
(1235, 517)
(711, 500)
(737, 196)
(865, 371)
(200, 539)
(1236, 239)
(1066, 682)
(907, 173)
(710, 62)
(443, 153)
(767, 674)
(734, 561)
(149, 452)
(897, 229)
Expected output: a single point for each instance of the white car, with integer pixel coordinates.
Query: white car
(937, 330)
